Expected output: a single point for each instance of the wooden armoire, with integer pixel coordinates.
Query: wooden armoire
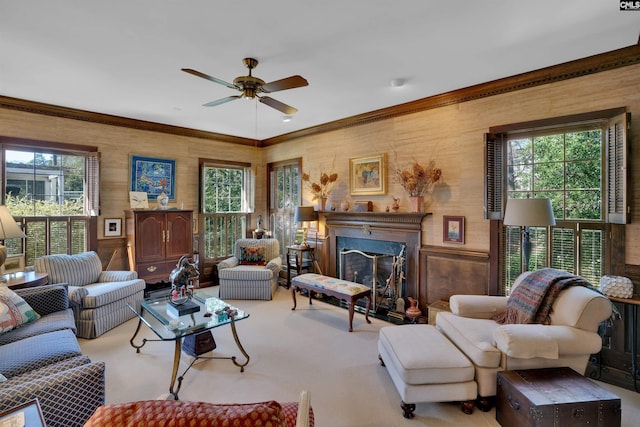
(156, 240)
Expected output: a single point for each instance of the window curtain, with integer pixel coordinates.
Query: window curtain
(249, 189)
(92, 201)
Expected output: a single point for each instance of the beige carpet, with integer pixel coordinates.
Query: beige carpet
(309, 348)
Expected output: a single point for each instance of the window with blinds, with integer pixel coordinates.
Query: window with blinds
(580, 163)
(52, 190)
(226, 194)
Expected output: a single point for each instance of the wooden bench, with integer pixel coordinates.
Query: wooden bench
(341, 289)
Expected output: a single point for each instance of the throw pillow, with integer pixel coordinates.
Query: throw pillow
(14, 311)
(252, 256)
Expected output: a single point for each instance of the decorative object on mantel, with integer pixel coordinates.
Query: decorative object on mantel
(362, 206)
(418, 181)
(322, 188)
(396, 204)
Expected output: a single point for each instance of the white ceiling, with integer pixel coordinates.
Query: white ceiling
(124, 57)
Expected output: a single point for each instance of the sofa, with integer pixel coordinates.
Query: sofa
(40, 358)
(569, 339)
(98, 298)
(252, 273)
(204, 414)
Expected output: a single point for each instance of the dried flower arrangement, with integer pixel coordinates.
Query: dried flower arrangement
(418, 180)
(321, 188)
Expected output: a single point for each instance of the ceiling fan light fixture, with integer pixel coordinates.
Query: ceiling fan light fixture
(287, 119)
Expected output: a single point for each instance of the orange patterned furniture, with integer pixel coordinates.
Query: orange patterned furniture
(201, 414)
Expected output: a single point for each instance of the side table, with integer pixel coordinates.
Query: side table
(25, 279)
(296, 254)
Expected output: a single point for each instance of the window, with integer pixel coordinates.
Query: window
(226, 200)
(284, 196)
(578, 162)
(52, 191)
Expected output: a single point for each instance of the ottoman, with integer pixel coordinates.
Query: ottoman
(426, 367)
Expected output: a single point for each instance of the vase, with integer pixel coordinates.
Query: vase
(163, 201)
(413, 312)
(417, 203)
(322, 204)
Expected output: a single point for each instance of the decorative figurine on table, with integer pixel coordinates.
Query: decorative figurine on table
(396, 204)
(180, 278)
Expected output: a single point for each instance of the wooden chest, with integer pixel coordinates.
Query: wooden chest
(554, 397)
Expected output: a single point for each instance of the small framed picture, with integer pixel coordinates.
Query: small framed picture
(138, 200)
(453, 229)
(112, 227)
(13, 264)
(26, 414)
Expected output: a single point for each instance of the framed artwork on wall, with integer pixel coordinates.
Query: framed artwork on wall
(112, 227)
(367, 175)
(153, 176)
(453, 229)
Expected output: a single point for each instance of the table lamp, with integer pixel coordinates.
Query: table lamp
(8, 230)
(302, 214)
(527, 213)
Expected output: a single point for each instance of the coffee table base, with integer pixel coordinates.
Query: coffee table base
(173, 390)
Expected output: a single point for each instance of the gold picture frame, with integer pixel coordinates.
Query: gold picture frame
(368, 175)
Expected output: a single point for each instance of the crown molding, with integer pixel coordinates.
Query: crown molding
(581, 67)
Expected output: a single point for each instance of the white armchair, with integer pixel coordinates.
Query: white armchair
(252, 273)
(569, 339)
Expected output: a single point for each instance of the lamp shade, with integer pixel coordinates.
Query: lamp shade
(8, 227)
(529, 213)
(305, 213)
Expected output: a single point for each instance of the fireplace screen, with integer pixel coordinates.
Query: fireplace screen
(383, 273)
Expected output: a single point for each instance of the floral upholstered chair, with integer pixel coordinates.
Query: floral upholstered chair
(252, 273)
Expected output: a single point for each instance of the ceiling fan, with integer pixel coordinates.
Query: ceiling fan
(251, 86)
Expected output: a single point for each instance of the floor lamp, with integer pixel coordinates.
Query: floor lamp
(527, 213)
(8, 230)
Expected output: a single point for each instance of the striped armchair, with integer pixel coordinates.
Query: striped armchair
(98, 298)
(252, 273)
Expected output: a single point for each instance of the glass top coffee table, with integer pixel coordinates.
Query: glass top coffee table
(164, 319)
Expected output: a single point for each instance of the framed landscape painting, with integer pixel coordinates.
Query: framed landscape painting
(153, 176)
(367, 175)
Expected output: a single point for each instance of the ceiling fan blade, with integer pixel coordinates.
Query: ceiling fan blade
(213, 79)
(221, 101)
(280, 106)
(288, 83)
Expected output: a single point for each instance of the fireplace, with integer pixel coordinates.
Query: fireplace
(376, 264)
(382, 237)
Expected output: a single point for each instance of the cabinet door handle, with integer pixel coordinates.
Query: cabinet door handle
(164, 238)
(168, 235)
(152, 268)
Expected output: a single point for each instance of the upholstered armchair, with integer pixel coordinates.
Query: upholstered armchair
(98, 298)
(252, 273)
(568, 340)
